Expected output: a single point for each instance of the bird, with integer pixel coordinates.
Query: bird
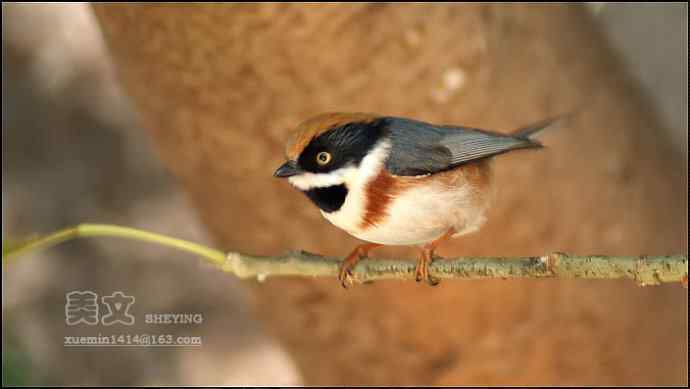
(394, 181)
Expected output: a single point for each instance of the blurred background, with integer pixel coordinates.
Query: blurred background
(74, 151)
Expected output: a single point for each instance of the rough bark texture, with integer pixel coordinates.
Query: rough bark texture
(219, 87)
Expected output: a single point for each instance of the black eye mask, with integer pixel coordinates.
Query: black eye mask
(348, 143)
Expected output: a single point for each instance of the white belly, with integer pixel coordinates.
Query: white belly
(418, 215)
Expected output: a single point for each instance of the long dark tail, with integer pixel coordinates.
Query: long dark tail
(526, 132)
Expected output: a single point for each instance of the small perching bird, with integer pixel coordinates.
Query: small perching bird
(396, 181)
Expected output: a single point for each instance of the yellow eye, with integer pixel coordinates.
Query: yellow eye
(323, 158)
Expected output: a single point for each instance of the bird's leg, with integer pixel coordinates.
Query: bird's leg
(361, 251)
(427, 256)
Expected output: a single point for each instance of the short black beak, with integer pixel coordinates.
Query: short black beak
(287, 169)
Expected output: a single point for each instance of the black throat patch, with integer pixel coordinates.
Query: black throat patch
(329, 199)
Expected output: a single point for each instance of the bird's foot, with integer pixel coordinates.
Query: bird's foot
(427, 256)
(422, 269)
(349, 263)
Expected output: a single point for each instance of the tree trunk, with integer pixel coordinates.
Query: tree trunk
(219, 87)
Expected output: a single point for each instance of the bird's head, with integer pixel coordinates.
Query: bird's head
(325, 155)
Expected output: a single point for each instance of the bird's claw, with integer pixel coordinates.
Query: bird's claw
(422, 271)
(345, 276)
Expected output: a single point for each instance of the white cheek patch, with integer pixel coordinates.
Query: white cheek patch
(306, 181)
(350, 175)
(349, 216)
(373, 163)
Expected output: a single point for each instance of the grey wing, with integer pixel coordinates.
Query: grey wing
(420, 148)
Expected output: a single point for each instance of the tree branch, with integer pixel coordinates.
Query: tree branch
(644, 270)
